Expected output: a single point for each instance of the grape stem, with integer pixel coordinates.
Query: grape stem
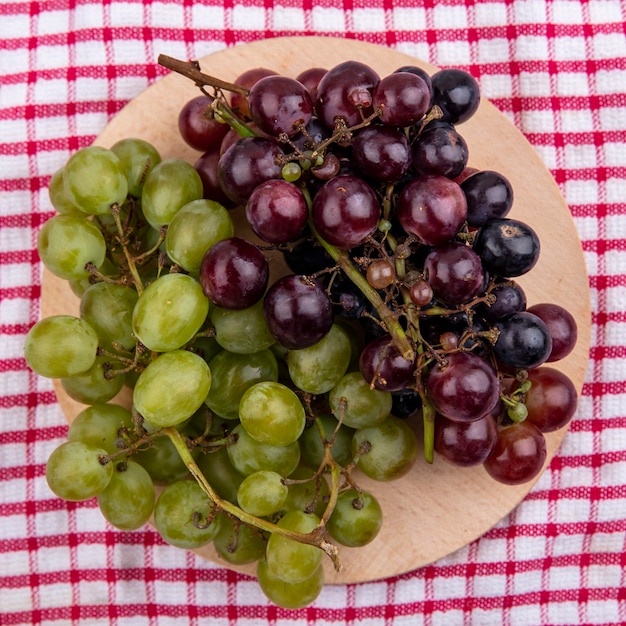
(317, 537)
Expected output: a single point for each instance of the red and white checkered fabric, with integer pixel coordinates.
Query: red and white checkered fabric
(557, 68)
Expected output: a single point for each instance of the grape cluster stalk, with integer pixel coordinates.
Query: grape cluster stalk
(254, 399)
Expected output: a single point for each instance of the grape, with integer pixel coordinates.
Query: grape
(358, 405)
(196, 227)
(310, 78)
(277, 211)
(169, 186)
(297, 311)
(552, 400)
(246, 80)
(262, 493)
(509, 298)
(356, 519)
(197, 125)
(382, 153)
(289, 595)
(184, 516)
(237, 543)
(108, 309)
(456, 93)
(67, 243)
(318, 368)
(291, 560)
(95, 180)
(440, 150)
(279, 104)
(206, 166)
(243, 331)
(345, 211)
(128, 500)
(75, 472)
(489, 195)
(519, 454)
(59, 197)
(312, 445)
(433, 208)
(137, 157)
(169, 312)
(507, 247)
(271, 413)
(561, 326)
(220, 473)
(162, 461)
(384, 367)
(391, 449)
(93, 386)
(60, 346)
(464, 387)
(234, 273)
(465, 443)
(309, 493)
(100, 426)
(403, 97)
(172, 388)
(523, 341)
(233, 374)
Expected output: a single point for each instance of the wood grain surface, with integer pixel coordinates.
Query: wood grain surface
(436, 509)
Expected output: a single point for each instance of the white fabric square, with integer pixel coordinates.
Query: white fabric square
(570, 48)
(535, 84)
(609, 45)
(529, 12)
(453, 53)
(531, 47)
(167, 15)
(126, 14)
(52, 56)
(580, 156)
(566, 12)
(450, 586)
(368, 19)
(248, 17)
(449, 16)
(573, 84)
(496, 85)
(409, 18)
(327, 19)
(287, 18)
(494, 50)
(490, 14)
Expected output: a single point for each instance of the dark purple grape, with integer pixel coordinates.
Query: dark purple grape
(552, 399)
(418, 71)
(464, 388)
(382, 153)
(519, 454)
(455, 273)
(403, 98)
(488, 194)
(279, 104)
(197, 126)
(310, 78)
(405, 403)
(277, 211)
(561, 326)
(348, 300)
(507, 247)
(345, 211)
(456, 93)
(465, 443)
(440, 150)
(307, 257)
(433, 208)
(316, 133)
(509, 298)
(297, 311)
(234, 273)
(239, 101)
(384, 367)
(345, 91)
(206, 166)
(523, 342)
(246, 164)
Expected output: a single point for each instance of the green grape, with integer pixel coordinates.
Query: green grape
(393, 449)
(172, 388)
(92, 386)
(128, 500)
(74, 471)
(249, 455)
(100, 426)
(262, 493)
(162, 461)
(244, 331)
(108, 309)
(80, 285)
(184, 516)
(239, 543)
(220, 473)
(312, 446)
(271, 413)
(289, 595)
(291, 560)
(169, 312)
(320, 367)
(233, 374)
(206, 347)
(194, 229)
(94, 177)
(356, 404)
(60, 199)
(168, 187)
(310, 496)
(60, 346)
(138, 157)
(356, 518)
(67, 243)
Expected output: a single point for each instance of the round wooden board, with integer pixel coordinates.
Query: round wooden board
(435, 509)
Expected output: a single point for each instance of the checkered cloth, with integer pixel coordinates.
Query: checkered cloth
(557, 69)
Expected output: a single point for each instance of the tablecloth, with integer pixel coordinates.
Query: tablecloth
(557, 69)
